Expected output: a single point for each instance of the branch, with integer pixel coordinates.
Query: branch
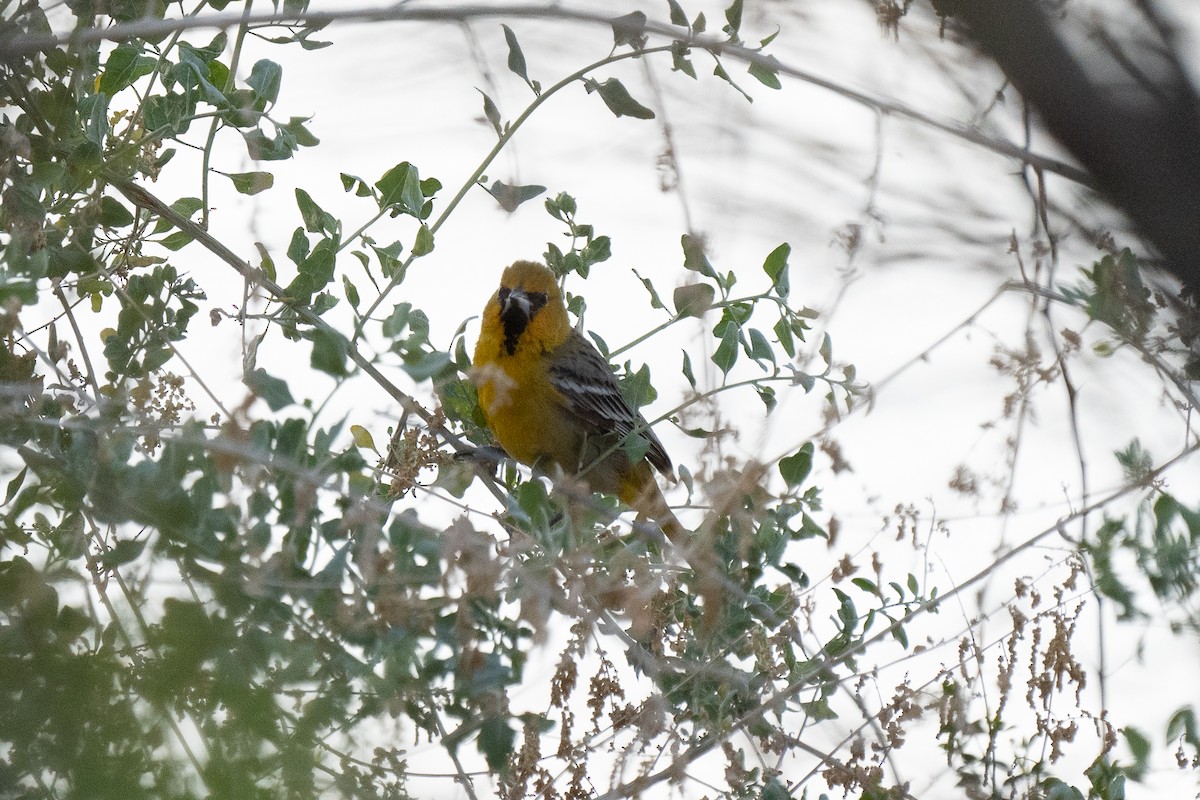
(780, 697)
(26, 45)
(1139, 143)
(143, 199)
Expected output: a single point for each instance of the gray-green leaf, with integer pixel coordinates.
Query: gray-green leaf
(617, 98)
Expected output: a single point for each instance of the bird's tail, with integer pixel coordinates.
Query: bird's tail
(641, 492)
(644, 495)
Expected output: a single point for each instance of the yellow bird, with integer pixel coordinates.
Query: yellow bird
(549, 397)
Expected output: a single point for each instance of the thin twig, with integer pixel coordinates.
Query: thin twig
(26, 45)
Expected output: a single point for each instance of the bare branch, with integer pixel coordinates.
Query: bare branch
(17, 47)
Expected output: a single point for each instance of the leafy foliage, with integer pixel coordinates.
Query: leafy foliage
(237, 605)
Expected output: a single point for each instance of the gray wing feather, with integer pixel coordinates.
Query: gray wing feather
(587, 382)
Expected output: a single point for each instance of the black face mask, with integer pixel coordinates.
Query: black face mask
(517, 308)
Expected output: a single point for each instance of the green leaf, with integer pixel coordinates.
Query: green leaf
(176, 241)
(796, 467)
(819, 710)
(170, 113)
(14, 485)
(726, 354)
(352, 182)
(429, 187)
(389, 258)
(319, 264)
(510, 196)
(348, 287)
(804, 381)
(251, 182)
(655, 300)
(866, 585)
(397, 321)
(362, 437)
(561, 206)
(316, 219)
(687, 369)
(776, 267)
(209, 52)
(629, 30)
(847, 614)
(300, 135)
(123, 552)
(694, 257)
(900, 635)
(733, 15)
(491, 113)
(680, 61)
(240, 111)
(329, 352)
(113, 214)
(768, 73)
(594, 252)
(425, 364)
(617, 98)
(783, 332)
(1183, 724)
(1139, 747)
(826, 350)
(298, 247)
(265, 79)
(693, 300)
(759, 348)
(601, 345)
(637, 388)
(400, 190)
(677, 15)
(767, 395)
(93, 112)
(272, 390)
(185, 207)
(496, 741)
(424, 243)
(192, 72)
(260, 147)
(720, 72)
(323, 302)
(71, 623)
(218, 76)
(516, 59)
(1136, 463)
(125, 65)
(774, 790)
(1055, 789)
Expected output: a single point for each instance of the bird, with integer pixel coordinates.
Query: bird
(550, 398)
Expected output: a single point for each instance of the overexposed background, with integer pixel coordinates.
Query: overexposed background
(806, 165)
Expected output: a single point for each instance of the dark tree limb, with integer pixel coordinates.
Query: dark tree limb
(1140, 142)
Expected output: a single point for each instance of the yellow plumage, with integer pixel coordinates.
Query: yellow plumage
(549, 396)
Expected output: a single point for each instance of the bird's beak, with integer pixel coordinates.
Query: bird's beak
(516, 305)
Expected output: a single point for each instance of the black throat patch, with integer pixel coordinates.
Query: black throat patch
(517, 308)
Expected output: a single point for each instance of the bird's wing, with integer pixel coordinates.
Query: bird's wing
(587, 382)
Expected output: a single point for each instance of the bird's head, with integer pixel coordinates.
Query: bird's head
(529, 298)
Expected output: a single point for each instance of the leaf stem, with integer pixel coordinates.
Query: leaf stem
(509, 131)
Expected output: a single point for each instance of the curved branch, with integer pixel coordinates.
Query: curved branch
(1139, 142)
(24, 46)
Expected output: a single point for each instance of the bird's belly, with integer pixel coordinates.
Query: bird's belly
(528, 421)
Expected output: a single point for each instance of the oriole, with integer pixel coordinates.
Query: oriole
(549, 397)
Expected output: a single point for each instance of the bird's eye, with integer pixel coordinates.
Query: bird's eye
(503, 295)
